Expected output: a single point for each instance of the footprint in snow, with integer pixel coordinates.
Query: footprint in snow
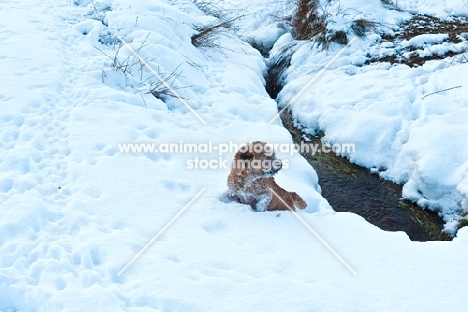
(152, 134)
(173, 258)
(6, 185)
(216, 227)
(59, 284)
(175, 186)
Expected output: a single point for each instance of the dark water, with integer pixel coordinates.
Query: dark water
(351, 188)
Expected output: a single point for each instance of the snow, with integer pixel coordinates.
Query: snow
(74, 210)
(421, 40)
(437, 8)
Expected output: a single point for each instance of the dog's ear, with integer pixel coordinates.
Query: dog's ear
(247, 156)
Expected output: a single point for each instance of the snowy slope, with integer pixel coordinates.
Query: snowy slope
(74, 210)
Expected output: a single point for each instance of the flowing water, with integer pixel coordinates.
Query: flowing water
(348, 187)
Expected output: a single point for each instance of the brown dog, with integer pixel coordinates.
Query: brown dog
(251, 179)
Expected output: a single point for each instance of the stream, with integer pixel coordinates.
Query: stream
(351, 188)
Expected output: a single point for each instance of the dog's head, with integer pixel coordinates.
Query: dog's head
(257, 159)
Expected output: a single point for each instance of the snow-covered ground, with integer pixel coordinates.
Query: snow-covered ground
(74, 210)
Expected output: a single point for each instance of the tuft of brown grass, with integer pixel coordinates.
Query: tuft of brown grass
(340, 37)
(306, 21)
(207, 35)
(363, 26)
(310, 22)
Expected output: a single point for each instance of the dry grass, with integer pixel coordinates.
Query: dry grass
(132, 68)
(207, 35)
(162, 89)
(362, 26)
(310, 22)
(391, 4)
(340, 37)
(211, 8)
(306, 21)
(127, 64)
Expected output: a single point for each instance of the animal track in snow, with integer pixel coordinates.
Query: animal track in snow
(216, 227)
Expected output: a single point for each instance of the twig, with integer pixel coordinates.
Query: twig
(143, 99)
(441, 91)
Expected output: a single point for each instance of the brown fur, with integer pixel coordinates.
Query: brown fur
(251, 184)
